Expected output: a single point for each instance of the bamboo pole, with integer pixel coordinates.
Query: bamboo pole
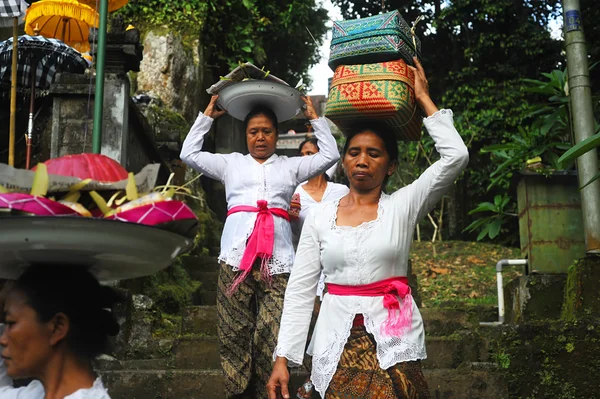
(13, 94)
(99, 94)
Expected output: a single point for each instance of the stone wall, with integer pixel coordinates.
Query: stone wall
(171, 71)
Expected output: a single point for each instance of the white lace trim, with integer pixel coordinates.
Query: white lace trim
(438, 115)
(276, 265)
(393, 350)
(293, 360)
(356, 254)
(324, 364)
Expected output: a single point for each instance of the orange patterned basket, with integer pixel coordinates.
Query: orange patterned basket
(382, 93)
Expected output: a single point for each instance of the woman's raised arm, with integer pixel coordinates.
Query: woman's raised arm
(434, 183)
(313, 165)
(212, 165)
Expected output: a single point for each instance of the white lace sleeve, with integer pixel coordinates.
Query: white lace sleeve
(430, 187)
(300, 296)
(212, 165)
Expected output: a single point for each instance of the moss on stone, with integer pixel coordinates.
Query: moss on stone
(581, 292)
(171, 289)
(550, 359)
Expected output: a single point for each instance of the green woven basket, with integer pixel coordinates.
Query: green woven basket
(381, 93)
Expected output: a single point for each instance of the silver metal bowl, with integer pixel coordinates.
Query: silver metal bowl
(240, 98)
(110, 249)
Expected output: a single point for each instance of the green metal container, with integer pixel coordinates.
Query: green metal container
(550, 221)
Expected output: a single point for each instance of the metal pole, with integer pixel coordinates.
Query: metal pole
(13, 94)
(99, 94)
(580, 95)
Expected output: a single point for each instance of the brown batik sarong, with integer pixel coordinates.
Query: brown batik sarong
(359, 376)
(248, 330)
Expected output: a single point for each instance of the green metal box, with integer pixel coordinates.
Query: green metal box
(550, 221)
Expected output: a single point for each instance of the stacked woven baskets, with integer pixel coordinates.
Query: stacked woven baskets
(372, 81)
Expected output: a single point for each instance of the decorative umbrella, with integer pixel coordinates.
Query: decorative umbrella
(38, 61)
(11, 9)
(66, 20)
(12, 12)
(113, 5)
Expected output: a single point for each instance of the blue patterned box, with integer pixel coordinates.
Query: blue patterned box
(380, 38)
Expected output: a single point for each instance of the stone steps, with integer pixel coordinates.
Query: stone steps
(457, 366)
(209, 384)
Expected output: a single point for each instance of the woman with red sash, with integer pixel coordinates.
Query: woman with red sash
(369, 339)
(257, 253)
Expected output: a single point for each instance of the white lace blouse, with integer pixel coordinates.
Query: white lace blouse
(247, 181)
(374, 251)
(333, 191)
(35, 389)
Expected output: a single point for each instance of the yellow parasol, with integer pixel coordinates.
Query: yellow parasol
(113, 5)
(66, 20)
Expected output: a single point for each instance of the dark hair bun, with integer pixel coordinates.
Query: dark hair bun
(74, 291)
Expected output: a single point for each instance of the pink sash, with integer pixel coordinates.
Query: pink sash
(260, 243)
(393, 289)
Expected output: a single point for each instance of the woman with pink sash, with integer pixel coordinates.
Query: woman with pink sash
(257, 253)
(369, 339)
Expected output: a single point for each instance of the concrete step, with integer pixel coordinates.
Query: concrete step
(455, 350)
(201, 353)
(465, 383)
(444, 322)
(209, 384)
(200, 320)
(164, 384)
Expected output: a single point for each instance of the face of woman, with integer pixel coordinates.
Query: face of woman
(308, 149)
(367, 162)
(261, 137)
(26, 342)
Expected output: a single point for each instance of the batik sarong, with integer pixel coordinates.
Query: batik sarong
(248, 329)
(358, 375)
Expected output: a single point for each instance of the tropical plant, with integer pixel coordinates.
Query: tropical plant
(537, 146)
(491, 225)
(581, 148)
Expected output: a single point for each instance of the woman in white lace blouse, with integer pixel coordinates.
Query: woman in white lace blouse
(368, 340)
(56, 321)
(256, 245)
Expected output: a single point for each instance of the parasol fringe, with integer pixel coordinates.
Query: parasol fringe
(64, 8)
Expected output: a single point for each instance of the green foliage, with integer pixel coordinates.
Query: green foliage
(179, 15)
(270, 34)
(491, 225)
(581, 148)
(266, 33)
(171, 289)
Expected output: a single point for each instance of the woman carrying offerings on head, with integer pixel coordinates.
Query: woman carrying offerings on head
(368, 339)
(256, 246)
(56, 321)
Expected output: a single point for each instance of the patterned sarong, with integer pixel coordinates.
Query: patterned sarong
(248, 329)
(359, 376)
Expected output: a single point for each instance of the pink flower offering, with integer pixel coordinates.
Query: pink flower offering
(156, 213)
(35, 205)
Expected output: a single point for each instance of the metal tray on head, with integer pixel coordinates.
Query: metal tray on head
(112, 250)
(240, 98)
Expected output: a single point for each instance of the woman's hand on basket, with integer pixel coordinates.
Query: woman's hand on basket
(211, 110)
(309, 108)
(280, 378)
(422, 88)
